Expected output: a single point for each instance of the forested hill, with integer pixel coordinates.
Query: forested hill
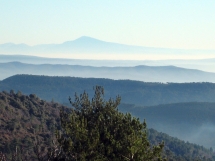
(132, 92)
(27, 119)
(193, 121)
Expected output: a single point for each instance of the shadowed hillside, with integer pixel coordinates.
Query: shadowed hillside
(193, 121)
(26, 120)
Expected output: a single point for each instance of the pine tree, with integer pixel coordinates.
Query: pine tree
(96, 130)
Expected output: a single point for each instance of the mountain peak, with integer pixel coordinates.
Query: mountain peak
(84, 40)
(87, 39)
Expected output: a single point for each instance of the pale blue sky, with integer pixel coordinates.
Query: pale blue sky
(187, 24)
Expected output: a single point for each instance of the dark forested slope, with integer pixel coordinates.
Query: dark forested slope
(132, 92)
(26, 119)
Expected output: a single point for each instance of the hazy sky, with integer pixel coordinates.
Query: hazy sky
(187, 24)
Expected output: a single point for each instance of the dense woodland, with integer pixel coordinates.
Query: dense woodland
(27, 121)
(133, 92)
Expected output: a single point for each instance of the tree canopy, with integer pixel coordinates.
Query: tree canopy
(96, 130)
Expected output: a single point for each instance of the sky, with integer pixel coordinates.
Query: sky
(182, 24)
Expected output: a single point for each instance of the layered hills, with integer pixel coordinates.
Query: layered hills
(200, 64)
(140, 73)
(183, 110)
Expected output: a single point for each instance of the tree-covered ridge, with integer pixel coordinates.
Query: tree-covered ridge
(26, 119)
(132, 92)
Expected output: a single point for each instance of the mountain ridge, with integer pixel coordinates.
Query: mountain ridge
(141, 73)
(207, 65)
(132, 92)
(88, 39)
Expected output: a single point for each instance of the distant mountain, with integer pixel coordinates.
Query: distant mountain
(87, 46)
(132, 92)
(140, 73)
